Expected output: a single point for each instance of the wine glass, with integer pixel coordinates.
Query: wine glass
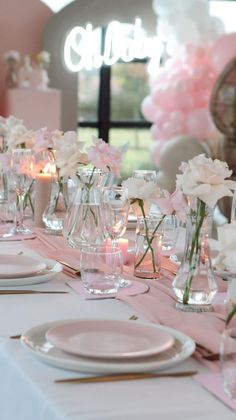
(233, 209)
(146, 174)
(21, 173)
(115, 210)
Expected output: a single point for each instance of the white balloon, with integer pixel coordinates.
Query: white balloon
(186, 31)
(163, 7)
(198, 10)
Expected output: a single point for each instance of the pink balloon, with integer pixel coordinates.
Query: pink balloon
(160, 117)
(222, 51)
(199, 123)
(148, 108)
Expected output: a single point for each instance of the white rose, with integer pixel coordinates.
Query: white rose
(204, 178)
(141, 189)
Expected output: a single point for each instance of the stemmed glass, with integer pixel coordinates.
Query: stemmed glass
(115, 210)
(146, 174)
(21, 172)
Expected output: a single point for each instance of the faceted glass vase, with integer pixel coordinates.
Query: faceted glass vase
(195, 285)
(84, 222)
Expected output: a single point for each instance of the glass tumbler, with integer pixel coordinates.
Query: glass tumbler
(228, 361)
(101, 269)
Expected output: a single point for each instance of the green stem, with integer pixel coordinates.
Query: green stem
(199, 218)
(230, 315)
(149, 240)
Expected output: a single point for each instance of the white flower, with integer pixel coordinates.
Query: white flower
(140, 189)
(69, 155)
(15, 133)
(204, 178)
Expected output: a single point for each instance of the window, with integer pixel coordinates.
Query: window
(110, 107)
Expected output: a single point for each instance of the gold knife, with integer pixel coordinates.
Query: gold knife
(28, 292)
(127, 377)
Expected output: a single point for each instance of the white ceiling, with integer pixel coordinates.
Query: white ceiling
(56, 5)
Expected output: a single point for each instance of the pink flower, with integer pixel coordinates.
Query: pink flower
(172, 203)
(43, 140)
(105, 157)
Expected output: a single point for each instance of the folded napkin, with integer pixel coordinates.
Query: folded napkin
(56, 248)
(213, 382)
(158, 306)
(134, 289)
(19, 237)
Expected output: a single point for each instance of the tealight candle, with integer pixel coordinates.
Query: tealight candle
(42, 195)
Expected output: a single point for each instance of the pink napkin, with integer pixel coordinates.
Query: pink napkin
(158, 306)
(18, 237)
(56, 247)
(135, 288)
(213, 382)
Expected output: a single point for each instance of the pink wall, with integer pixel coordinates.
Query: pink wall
(21, 29)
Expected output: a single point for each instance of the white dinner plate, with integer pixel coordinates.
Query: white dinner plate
(51, 269)
(19, 265)
(35, 341)
(109, 339)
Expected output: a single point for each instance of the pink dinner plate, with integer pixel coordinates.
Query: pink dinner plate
(13, 266)
(109, 339)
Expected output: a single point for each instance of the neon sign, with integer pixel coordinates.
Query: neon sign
(126, 42)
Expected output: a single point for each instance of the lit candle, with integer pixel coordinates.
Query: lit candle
(123, 245)
(42, 195)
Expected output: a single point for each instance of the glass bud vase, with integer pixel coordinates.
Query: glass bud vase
(84, 222)
(3, 187)
(195, 285)
(54, 214)
(148, 247)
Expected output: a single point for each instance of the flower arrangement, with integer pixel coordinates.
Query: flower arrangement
(204, 181)
(15, 134)
(142, 194)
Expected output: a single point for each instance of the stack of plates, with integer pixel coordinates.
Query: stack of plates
(108, 346)
(19, 270)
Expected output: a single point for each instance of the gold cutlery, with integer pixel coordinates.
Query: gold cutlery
(133, 318)
(29, 292)
(212, 357)
(127, 377)
(74, 269)
(207, 354)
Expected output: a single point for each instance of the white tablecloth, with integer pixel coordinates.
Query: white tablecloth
(27, 388)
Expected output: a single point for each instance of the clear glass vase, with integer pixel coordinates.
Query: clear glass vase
(54, 214)
(148, 247)
(84, 222)
(3, 187)
(195, 285)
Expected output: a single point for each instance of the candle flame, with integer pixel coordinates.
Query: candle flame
(49, 168)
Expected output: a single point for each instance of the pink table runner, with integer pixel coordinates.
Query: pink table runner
(158, 305)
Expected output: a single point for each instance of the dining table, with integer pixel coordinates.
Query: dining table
(28, 390)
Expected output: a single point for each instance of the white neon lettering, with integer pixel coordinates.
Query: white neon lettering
(124, 42)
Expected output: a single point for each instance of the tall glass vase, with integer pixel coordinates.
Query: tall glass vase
(84, 222)
(195, 285)
(54, 214)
